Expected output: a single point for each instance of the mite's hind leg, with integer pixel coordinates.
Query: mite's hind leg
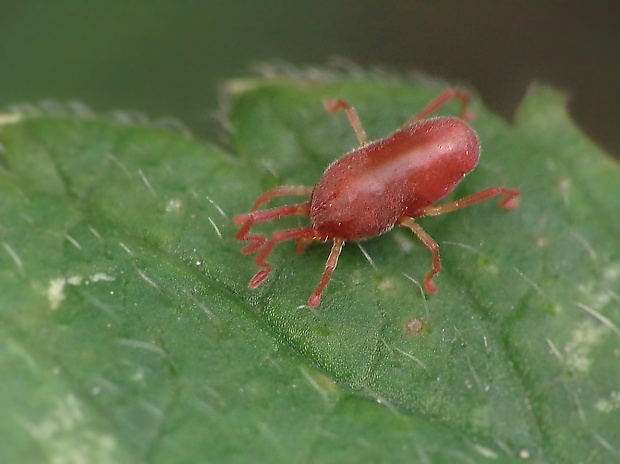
(441, 100)
(509, 202)
(334, 105)
(431, 244)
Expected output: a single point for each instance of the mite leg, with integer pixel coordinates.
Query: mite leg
(431, 244)
(334, 105)
(276, 238)
(509, 202)
(330, 265)
(285, 190)
(441, 100)
(248, 220)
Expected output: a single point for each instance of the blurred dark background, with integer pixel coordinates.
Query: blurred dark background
(167, 57)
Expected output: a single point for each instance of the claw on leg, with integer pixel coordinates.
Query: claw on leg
(431, 244)
(278, 237)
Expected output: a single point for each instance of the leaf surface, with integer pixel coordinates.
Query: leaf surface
(128, 332)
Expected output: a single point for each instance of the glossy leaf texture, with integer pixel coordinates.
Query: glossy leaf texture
(128, 333)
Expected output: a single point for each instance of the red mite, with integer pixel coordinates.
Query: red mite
(381, 184)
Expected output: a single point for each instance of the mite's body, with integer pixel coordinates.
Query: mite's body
(366, 192)
(381, 184)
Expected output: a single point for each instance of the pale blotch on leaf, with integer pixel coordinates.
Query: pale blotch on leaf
(404, 243)
(607, 405)
(10, 118)
(75, 280)
(598, 291)
(612, 273)
(101, 277)
(63, 436)
(174, 205)
(415, 326)
(584, 338)
(564, 188)
(56, 288)
(56, 292)
(356, 277)
(386, 285)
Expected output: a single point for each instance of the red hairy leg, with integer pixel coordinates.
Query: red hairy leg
(333, 106)
(283, 191)
(330, 265)
(431, 244)
(276, 238)
(510, 202)
(441, 100)
(248, 220)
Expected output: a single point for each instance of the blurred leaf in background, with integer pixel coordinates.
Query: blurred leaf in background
(166, 57)
(128, 334)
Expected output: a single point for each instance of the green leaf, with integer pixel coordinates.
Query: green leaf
(128, 334)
